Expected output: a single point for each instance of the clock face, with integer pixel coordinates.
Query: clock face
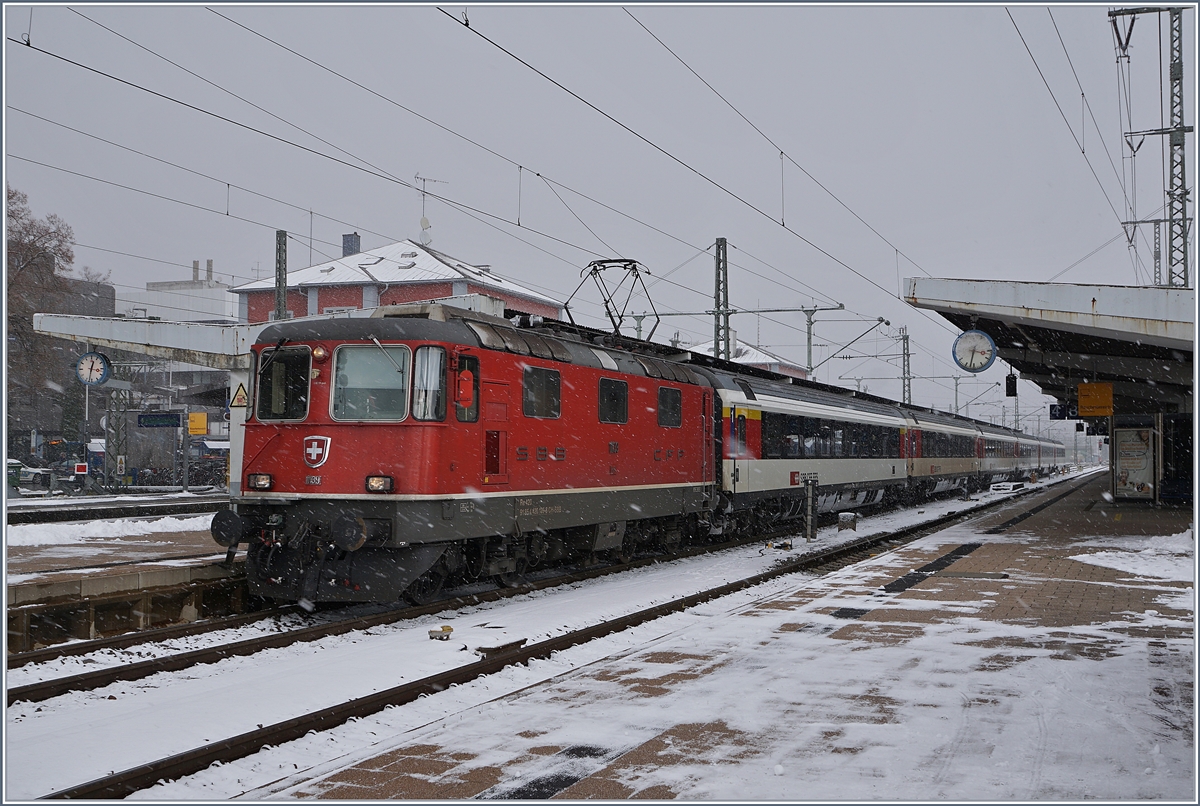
(92, 369)
(974, 351)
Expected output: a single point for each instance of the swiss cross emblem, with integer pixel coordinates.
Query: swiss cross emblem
(316, 451)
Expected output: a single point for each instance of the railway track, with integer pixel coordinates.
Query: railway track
(823, 560)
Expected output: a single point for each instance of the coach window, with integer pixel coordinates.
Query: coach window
(614, 401)
(429, 384)
(283, 384)
(370, 382)
(468, 364)
(670, 407)
(540, 393)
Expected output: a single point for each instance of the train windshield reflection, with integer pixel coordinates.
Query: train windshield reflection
(371, 383)
(283, 384)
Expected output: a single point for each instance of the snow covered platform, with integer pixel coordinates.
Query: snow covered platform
(48, 560)
(1015, 657)
(84, 579)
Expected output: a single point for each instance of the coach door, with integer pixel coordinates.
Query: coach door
(709, 456)
(495, 432)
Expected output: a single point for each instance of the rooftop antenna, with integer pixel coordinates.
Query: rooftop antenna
(617, 310)
(426, 238)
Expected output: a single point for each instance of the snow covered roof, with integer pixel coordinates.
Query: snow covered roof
(400, 262)
(748, 354)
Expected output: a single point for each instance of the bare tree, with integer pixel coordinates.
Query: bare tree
(40, 254)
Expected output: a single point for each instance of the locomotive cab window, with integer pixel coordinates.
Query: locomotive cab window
(429, 384)
(670, 407)
(370, 382)
(540, 393)
(614, 401)
(283, 384)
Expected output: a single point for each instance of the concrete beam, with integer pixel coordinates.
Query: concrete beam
(1164, 317)
(217, 346)
(1178, 372)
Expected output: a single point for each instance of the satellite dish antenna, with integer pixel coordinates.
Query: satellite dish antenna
(425, 238)
(424, 222)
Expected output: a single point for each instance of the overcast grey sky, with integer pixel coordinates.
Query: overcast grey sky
(932, 124)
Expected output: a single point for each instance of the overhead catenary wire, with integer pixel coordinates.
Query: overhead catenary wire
(495, 153)
(307, 149)
(685, 165)
(451, 202)
(228, 184)
(466, 208)
(782, 153)
(1058, 106)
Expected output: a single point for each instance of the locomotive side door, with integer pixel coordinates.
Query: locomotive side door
(495, 432)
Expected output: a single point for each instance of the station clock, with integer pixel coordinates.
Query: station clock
(92, 368)
(974, 351)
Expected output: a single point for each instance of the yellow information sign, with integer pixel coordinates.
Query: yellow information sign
(198, 423)
(1095, 400)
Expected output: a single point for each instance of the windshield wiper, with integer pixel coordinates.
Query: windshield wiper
(386, 354)
(271, 357)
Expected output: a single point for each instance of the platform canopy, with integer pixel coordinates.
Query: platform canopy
(1059, 335)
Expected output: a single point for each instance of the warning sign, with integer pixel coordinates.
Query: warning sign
(239, 397)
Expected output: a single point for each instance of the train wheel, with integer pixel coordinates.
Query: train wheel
(425, 588)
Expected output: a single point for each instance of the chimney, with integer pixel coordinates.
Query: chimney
(209, 271)
(195, 271)
(351, 245)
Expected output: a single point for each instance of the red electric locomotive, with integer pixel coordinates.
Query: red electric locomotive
(386, 454)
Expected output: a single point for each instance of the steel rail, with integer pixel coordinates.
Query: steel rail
(121, 784)
(126, 640)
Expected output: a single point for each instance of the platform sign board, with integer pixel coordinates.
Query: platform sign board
(1135, 462)
(1095, 400)
(159, 419)
(198, 423)
(1058, 411)
(81, 468)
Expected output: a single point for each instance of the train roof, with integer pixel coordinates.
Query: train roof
(586, 346)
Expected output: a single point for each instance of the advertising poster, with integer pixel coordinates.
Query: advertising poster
(1135, 463)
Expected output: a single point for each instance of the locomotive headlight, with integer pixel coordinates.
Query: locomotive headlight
(319, 353)
(379, 484)
(259, 481)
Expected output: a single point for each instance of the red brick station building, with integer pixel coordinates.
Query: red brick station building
(389, 275)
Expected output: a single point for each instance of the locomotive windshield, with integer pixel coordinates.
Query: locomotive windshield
(283, 384)
(371, 382)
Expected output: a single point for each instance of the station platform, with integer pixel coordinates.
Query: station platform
(85, 580)
(1041, 651)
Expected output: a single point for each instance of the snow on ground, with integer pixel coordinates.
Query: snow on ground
(738, 563)
(1156, 557)
(76, 532)
(777, 706)
(126, 724)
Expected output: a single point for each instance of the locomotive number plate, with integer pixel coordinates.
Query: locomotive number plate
(312, 479)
